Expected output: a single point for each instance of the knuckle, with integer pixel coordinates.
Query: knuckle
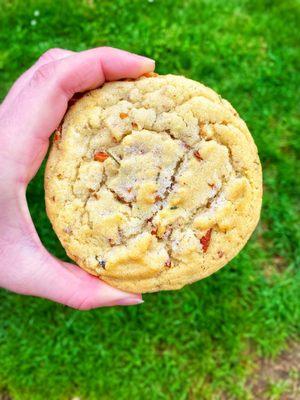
(78, 301)
(43, 73)
(107, 49)
(83, 304)
(50, 54)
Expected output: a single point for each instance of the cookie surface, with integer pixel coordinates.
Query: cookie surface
(154, 183)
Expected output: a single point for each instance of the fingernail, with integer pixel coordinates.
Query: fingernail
(148, 60)
(130, 301)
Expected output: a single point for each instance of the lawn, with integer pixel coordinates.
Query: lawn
(206, 340)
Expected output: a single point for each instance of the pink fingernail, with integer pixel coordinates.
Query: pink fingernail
(130, 301)
(148, 60)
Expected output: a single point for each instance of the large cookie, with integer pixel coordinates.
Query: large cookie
(154, 183)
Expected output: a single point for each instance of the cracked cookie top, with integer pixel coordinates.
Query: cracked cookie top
(153, 183)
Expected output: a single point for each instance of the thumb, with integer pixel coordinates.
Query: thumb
(68, 284)
(32, 270)
(42, 275)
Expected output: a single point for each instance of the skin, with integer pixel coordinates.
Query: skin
(31, 111)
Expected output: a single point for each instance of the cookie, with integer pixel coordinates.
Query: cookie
(153, 183)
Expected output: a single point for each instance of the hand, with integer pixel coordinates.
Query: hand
(31, 111)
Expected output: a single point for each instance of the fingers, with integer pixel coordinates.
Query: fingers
(89, 69)
(54, 83)
(41, 104)
(48, 56)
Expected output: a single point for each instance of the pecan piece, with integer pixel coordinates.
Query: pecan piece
(150, 74)
(198, 155)
(154, 230)
(100, 156)
(205, 240)
(220, 253)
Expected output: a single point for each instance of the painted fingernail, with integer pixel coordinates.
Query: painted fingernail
(130, 301)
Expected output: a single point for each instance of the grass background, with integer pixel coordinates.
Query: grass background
(202, 342)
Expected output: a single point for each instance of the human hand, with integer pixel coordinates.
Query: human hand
(31, 111)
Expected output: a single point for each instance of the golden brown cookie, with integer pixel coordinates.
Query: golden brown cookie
(154, 183)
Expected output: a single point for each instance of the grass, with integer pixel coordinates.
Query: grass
(200, 342)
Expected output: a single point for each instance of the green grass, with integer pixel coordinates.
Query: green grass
(200, 342)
